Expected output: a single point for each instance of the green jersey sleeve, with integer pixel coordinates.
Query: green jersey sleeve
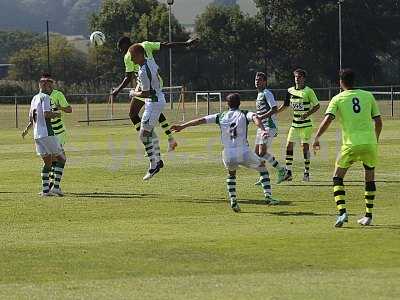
(62, 101)
(129, 65)
(313, 97)
(332, 107)
(150, 47)
(374, 108)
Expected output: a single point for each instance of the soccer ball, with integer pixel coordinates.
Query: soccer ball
(97, 38)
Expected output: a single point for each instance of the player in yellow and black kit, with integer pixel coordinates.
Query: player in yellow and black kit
(357, 111)
(131, 71)
(304, 103)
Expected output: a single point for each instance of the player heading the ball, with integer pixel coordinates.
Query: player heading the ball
(131, 70)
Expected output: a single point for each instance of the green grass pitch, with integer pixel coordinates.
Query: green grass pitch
(114, 236)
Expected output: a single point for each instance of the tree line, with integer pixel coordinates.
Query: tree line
(283, 35)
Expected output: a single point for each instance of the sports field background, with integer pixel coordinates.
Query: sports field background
(175, 237)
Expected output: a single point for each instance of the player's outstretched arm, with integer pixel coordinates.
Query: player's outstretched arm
(191, 123)
(326, 122)
(378, 126)
(26, 130)
(127, 79)
(189, 43)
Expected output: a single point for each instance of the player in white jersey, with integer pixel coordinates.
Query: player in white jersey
(150, 89)
(266, 111)
(234, 125)
(47, 144)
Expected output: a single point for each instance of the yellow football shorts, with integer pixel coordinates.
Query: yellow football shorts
(367, 154)
(302, 135)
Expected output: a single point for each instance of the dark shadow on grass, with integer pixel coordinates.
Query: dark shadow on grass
(109, 195)
(14, 192)
(393, 226)
(321, 185)
(241, 201)
(262, 202)
(290, 213)
(325, 182)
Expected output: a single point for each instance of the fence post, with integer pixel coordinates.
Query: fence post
(171, 100)
(329, 94)
(208, 102)
(111, 101)
(392, 99)
(16, 111)
(87, 110)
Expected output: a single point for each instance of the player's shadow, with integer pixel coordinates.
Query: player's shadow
(108, 195)
(374, 227)
(14, 192)
(241, 201)
(262, 202)
(298, 214)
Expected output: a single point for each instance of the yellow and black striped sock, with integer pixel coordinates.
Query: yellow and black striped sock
(165, 126)
(289, 159)
(307, 156)
(370, 190)
(339, 194)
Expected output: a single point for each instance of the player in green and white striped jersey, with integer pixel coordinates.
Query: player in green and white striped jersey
(266, 111)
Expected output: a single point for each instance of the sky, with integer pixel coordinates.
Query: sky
(194, 7)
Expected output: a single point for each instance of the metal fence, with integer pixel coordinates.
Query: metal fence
(98, 109)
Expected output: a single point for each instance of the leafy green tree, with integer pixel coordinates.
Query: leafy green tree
(305, 33)
(12, 41)
(67, 64)
(231, 43)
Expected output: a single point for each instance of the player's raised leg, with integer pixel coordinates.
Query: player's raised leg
(135, 107)
(250, 160)
(172, 144)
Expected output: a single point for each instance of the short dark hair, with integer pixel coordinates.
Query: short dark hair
(123, 41)
(233, 100)
(301, 72)
(347, 76)
(46, 77)
(137, 48)
(262, 75)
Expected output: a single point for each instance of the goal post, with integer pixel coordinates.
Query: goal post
(208, 96)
